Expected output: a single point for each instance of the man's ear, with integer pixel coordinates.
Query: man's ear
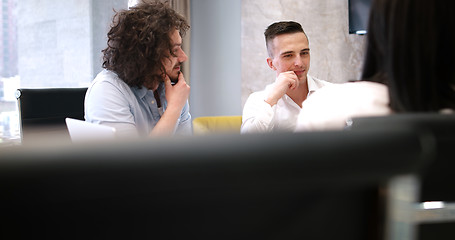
(270, 63)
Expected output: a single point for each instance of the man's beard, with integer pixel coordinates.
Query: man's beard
(174, 79)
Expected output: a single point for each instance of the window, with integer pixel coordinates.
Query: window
(9, 126)
(50, 44)
(131, 3)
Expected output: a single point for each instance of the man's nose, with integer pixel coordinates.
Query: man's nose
(182, 57)
(298, 61)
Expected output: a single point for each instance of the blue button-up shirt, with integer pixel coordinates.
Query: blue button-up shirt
(132, 111)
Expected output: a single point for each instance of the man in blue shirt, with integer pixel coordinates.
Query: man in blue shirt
(141, 91)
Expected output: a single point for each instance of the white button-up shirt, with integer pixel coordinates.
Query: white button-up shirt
(259, 116)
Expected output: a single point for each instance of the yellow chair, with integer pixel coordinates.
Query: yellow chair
(216, 124)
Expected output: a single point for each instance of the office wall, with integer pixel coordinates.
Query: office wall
(336, 56)
(215, 58)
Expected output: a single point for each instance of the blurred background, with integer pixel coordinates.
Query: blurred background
(52, 43)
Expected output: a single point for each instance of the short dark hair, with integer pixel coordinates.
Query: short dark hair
(411, 45)
(279, 28)
(139, 39)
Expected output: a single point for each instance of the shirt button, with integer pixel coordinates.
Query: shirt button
(153, 102)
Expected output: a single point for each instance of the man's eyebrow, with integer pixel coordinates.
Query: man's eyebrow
(287, 52)
(291, 52)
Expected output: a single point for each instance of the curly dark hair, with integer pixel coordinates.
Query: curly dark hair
(138, 41)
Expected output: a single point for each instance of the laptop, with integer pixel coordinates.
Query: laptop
(82, 131)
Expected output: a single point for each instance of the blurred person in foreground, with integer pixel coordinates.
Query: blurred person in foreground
(276, 108)
(407, 68)
(135, 93)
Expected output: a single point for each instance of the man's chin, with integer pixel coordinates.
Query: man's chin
(173, 74)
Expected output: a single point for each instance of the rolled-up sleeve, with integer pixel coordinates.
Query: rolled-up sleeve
(257, 115)
(184, 126)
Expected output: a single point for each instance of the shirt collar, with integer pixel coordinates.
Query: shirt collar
(141, 92)
(312, 87)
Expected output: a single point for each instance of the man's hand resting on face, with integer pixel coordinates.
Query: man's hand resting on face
(284, 82)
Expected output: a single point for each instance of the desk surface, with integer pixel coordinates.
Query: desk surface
(10, 138)
(6, 142)
(9, 125)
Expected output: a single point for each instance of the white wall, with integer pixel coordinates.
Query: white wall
(215, 58)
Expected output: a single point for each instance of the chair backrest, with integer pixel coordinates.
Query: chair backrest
(438, 176)
(216, 125)
(265, 186)
(437, 180)
(42, 111)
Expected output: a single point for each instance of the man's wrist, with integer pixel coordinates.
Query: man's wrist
(270, 101)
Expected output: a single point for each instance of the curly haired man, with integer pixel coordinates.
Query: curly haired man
(141, 91)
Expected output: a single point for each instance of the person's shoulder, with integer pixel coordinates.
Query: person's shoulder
(362, 89)
(108, 77)
(332, 105)
(356, 97)
(367, 89)
(109, 85)
(109, 80)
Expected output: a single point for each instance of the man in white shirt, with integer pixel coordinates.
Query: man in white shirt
(276, 108)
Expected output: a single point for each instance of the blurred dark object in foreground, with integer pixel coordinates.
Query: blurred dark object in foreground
(266, 186)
